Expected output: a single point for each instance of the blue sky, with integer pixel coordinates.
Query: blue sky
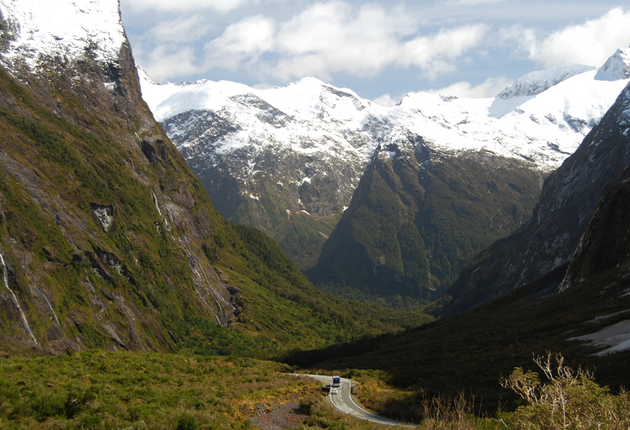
(380, 49)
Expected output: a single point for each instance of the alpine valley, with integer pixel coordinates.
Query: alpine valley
(559, 283)
(497, 227)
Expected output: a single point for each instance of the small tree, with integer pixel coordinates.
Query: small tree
(569, 400)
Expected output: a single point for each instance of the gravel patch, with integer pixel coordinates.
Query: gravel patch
(282, 418)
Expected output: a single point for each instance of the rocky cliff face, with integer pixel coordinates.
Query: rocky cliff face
(605, 245)
(99, 215)
(567, 203)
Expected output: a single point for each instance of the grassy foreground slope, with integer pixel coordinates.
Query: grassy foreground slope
(98, 389)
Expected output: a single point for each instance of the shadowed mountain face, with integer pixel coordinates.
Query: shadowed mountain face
(567, 203)
(606, 243)
(417, 216)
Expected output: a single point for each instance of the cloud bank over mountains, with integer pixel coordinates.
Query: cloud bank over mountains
(590, 43)
(334, 37)
(274, 42)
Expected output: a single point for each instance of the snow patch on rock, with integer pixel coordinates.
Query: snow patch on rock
(612, 339)
(61, 29)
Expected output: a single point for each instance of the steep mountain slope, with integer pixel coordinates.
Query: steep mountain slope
(567, 203)
(287, 160)
(606, 242)
(107, 238)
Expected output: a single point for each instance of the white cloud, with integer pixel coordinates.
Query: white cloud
(329, 38)
(437, 54)
(489, 88)
(333, 37)
(183, 5)
(242, 43)
(167, 61)
(386, 100)
(180, 30)
(590, 43)
(470, 2)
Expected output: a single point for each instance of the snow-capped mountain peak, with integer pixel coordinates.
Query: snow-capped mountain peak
(37, 30)
(302, 99)
(535, 83)
(617, 67)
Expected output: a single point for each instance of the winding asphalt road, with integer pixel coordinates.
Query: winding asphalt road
(343, 401)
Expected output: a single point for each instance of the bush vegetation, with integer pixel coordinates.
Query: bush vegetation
(114, 390)
(566, 399)
(133, 390)
(569, 399)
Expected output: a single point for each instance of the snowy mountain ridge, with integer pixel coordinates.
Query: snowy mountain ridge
(303, 148)
(541, 118)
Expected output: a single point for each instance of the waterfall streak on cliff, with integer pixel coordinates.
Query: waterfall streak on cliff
(45, 297)
(5, 278)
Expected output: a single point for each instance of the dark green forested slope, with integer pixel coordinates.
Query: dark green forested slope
(414, 222)
(300, 235)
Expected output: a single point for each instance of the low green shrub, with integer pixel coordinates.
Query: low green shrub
(569, 399)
